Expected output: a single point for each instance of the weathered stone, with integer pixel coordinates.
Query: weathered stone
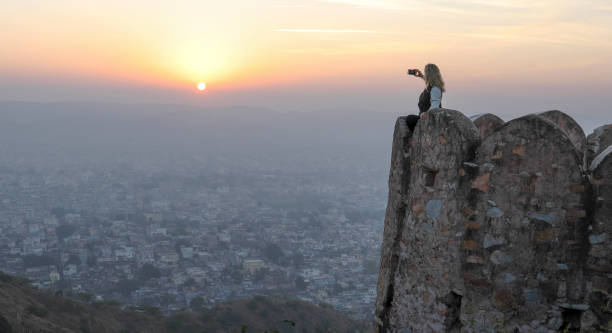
(500, 258)
(482, 182)
(521, 181)
(413, 294)
(597, 239)
(490, 241)
(494, 212)
(487, 123)
(598, 141)
(399, 177)
(498, 233)
(504, 299)
(570, 127)
(469, 245)
(509, 278)
(519, 150)
(548, 218)
(480, 282)
(542, 277)
(474, 260)
(434, 209)
(471, 225)
(577, 188)
(531, 296)
(599, 262)
(544, 236)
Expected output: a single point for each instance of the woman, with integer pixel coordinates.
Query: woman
(431, 97)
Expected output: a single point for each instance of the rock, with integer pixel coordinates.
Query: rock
(499, 258)
(490, 241)
(434, 209)
(548, 218)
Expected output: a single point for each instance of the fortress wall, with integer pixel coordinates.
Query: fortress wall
(428, 262)
(399, 177)
(524, 229)
(570, 127)
(503, 234)
(487, 123)
(599, 262)
(598, 141)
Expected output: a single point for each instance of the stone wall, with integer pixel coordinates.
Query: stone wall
(496, 227)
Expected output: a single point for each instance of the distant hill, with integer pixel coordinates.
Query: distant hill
(26, 309)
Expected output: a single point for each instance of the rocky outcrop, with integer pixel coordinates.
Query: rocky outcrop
(495, 227)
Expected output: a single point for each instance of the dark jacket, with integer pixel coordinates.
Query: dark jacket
(425, 100)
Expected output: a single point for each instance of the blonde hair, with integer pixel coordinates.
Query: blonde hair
(433, 76)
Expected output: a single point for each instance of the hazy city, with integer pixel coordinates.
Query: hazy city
(169, 221)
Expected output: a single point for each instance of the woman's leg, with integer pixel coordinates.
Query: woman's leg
(411, 121)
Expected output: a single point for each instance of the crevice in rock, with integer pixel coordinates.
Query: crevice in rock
(571, 320)
(430, 176)
(452, 301)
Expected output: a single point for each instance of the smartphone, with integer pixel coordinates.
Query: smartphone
(412, 72)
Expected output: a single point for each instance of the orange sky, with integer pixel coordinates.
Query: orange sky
(326, 45)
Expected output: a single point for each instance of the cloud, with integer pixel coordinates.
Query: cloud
(334, 31)
(447, 6)
(379, 4)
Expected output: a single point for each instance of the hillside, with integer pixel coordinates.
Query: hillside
(26, 309)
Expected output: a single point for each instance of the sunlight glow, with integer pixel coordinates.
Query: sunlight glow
(201, 86)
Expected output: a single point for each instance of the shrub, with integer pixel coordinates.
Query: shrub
(252, 305)
(37, 310)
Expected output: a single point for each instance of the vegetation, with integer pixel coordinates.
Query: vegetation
(256, 315)
(37, 310)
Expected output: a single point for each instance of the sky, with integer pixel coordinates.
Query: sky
(506, 57)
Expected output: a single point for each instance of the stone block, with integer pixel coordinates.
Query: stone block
(544, 236)
(469, 245)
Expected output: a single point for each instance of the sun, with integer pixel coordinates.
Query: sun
(201, 86)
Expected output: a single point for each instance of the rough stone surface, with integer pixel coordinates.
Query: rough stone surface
(599, 262)
(598, 141)
(535, 237)
(487, 123)
(506, 232)
(569, 126)
(399, 177)
(428, 269)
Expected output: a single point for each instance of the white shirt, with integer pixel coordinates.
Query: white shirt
(435, 97)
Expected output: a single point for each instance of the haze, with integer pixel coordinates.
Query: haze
(509, 57)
